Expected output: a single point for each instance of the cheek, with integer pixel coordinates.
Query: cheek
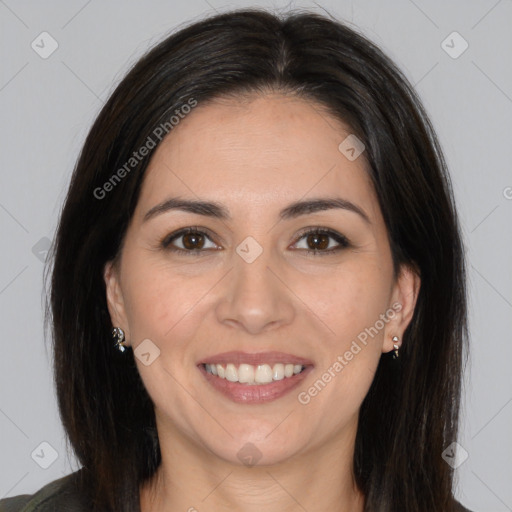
(159, 301)
(163, 306)
(348, 299)
(167, 309)
(349, 302)
(348, 358)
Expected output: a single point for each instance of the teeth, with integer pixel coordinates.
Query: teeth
(245, 373)
(263, 374)
(231, 373)
(253, 375)
(278, 372)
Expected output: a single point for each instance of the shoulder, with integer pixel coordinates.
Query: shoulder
(61, 494)
(459, 508)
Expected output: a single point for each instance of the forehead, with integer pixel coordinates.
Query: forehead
(259, 151)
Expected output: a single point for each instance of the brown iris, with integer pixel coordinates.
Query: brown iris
(317, 241)
(193, 241)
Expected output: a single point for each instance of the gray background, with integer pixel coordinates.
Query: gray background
(49, 104)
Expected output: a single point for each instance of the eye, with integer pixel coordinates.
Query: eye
(194, 240)
(190, 240)
(320, 241)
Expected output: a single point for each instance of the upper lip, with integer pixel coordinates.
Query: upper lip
(237, 358)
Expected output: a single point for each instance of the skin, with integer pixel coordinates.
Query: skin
(255, 156)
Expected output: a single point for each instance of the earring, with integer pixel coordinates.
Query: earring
(118, 334)
(395, 346)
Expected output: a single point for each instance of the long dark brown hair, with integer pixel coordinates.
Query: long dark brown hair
(410, 414)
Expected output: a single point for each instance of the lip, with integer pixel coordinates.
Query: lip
(254, 394)
(238, 357)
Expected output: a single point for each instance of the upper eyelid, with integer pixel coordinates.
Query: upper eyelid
(168, 239)
(338, 237)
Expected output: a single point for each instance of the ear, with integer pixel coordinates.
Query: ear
(401, 309)
(115, 301)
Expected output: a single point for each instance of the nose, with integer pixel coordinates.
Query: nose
(256, 297)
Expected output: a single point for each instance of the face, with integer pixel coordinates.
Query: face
(258, 283)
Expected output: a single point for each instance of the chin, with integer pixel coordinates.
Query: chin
(251, 450)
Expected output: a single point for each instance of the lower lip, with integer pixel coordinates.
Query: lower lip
(257, 393)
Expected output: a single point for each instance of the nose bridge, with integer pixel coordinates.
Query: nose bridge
(254, 298)
(251, 270)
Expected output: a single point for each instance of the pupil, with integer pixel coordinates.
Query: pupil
(190, 241)
(321, 241)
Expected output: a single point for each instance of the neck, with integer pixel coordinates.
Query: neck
(191, 478)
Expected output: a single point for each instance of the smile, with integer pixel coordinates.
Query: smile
(254, 378)
(254, 375)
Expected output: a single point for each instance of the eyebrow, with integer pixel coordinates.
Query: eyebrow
(218, 211)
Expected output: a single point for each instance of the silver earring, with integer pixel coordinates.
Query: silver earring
(118, 335)
(395, 346)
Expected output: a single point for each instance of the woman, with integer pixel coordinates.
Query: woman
(262, 218)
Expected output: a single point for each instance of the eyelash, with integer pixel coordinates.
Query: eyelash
(340, 239)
